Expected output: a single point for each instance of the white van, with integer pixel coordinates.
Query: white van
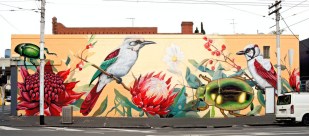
(293, 107)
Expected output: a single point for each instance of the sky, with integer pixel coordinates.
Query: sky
(249, 16)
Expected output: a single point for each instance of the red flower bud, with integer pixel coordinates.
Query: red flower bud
(210, 41)
(238, 68)
(205, 38)
(210, 61)
(207, 45)
(213, 53)
(218, 53)
(213, 68)
(89, 46)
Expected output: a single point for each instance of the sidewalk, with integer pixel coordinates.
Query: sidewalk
(54, 121)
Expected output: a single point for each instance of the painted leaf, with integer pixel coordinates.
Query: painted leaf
(191, 105)
(251, 106)
(255, 111)
(30, 66)
(78, 103)
(124, 101)
(251, 83)
(201, 68)
(179, 101)
(286, 86)
(213, 112)
(102, 108)
(91, 38)
(283, 67)
(188, 114)
(192, 80)
(67, 62)
(237, 73)
(261, 98)
(84, 88)
(219, 73)
(207, 115)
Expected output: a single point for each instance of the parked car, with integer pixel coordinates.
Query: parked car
(293, 107)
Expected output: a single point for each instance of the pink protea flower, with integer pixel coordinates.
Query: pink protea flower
(56, 93)
(152, 94)
(294, 80)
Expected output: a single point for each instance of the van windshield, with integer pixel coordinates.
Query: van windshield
(284, 100)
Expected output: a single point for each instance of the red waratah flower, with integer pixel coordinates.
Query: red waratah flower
(56, 93)
(294, 80)
(152, 94)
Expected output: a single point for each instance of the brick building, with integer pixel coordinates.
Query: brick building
(59, 28)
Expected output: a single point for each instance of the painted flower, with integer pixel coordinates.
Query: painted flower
(173, 58)
(56, 93)
(152, 94)
(294, 80)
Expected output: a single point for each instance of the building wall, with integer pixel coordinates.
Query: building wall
(179, 76)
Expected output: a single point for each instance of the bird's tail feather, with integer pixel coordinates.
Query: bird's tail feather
(90, 100)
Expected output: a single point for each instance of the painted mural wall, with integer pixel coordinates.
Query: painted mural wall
(166, 76)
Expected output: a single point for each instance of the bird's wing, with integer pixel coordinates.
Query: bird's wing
(109, 60)
(269, 75)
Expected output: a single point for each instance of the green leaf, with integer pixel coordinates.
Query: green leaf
(191, 105)
(255, 111)
(237, 73)
(91, 38)
(67, 62)
(124, 101)
(84, 88)
(30, 66)
(261, 98)
(78, 103)
(179, 101)
(189, 114)
(102, 108)
(286, 86)
(207, 115)
(251, 106)
(218, 73)
(283, 67)
(213, 112)
(192, 80)
(251, 83)
(200, 67)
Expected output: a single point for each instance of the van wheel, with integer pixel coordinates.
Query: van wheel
(305, 120)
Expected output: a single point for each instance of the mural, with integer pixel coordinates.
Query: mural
(166, 79)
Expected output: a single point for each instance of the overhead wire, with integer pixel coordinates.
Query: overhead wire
(294, 6)
(287, 26)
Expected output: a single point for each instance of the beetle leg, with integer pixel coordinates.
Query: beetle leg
(222, 111)
(25, 62)
(236, 114)
(31, 60)
(49, 52)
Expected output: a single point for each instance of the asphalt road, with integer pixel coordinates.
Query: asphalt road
(228, 131)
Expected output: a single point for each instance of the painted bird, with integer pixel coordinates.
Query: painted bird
(261, 69)
(118, 64)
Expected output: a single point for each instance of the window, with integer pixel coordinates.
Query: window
(266, 50)
(284, 100)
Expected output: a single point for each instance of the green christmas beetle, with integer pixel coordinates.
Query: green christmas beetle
(227, 94)
(31, 51)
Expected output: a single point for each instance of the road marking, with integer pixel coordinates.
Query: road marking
(128, 130)
(64, 129)
(9, 128)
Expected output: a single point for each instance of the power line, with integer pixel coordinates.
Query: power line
(8, 22)
(20, 8)
(293, 32)
(294, 6)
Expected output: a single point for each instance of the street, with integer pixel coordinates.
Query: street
(225, 131)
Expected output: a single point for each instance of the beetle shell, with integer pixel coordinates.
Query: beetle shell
(229, 94)
(28, 50)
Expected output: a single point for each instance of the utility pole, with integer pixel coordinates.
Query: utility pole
(277, 6)
(233, 23)
(42, 61)
(132, 21)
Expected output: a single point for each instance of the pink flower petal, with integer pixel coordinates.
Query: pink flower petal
(24, 72)
(55, 110)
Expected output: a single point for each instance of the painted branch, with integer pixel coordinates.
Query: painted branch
(104, 72)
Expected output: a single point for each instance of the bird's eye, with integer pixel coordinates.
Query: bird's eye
(133, 43)
(247, 50)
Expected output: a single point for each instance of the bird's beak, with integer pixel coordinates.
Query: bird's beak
(240, 53)
(148, 42)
